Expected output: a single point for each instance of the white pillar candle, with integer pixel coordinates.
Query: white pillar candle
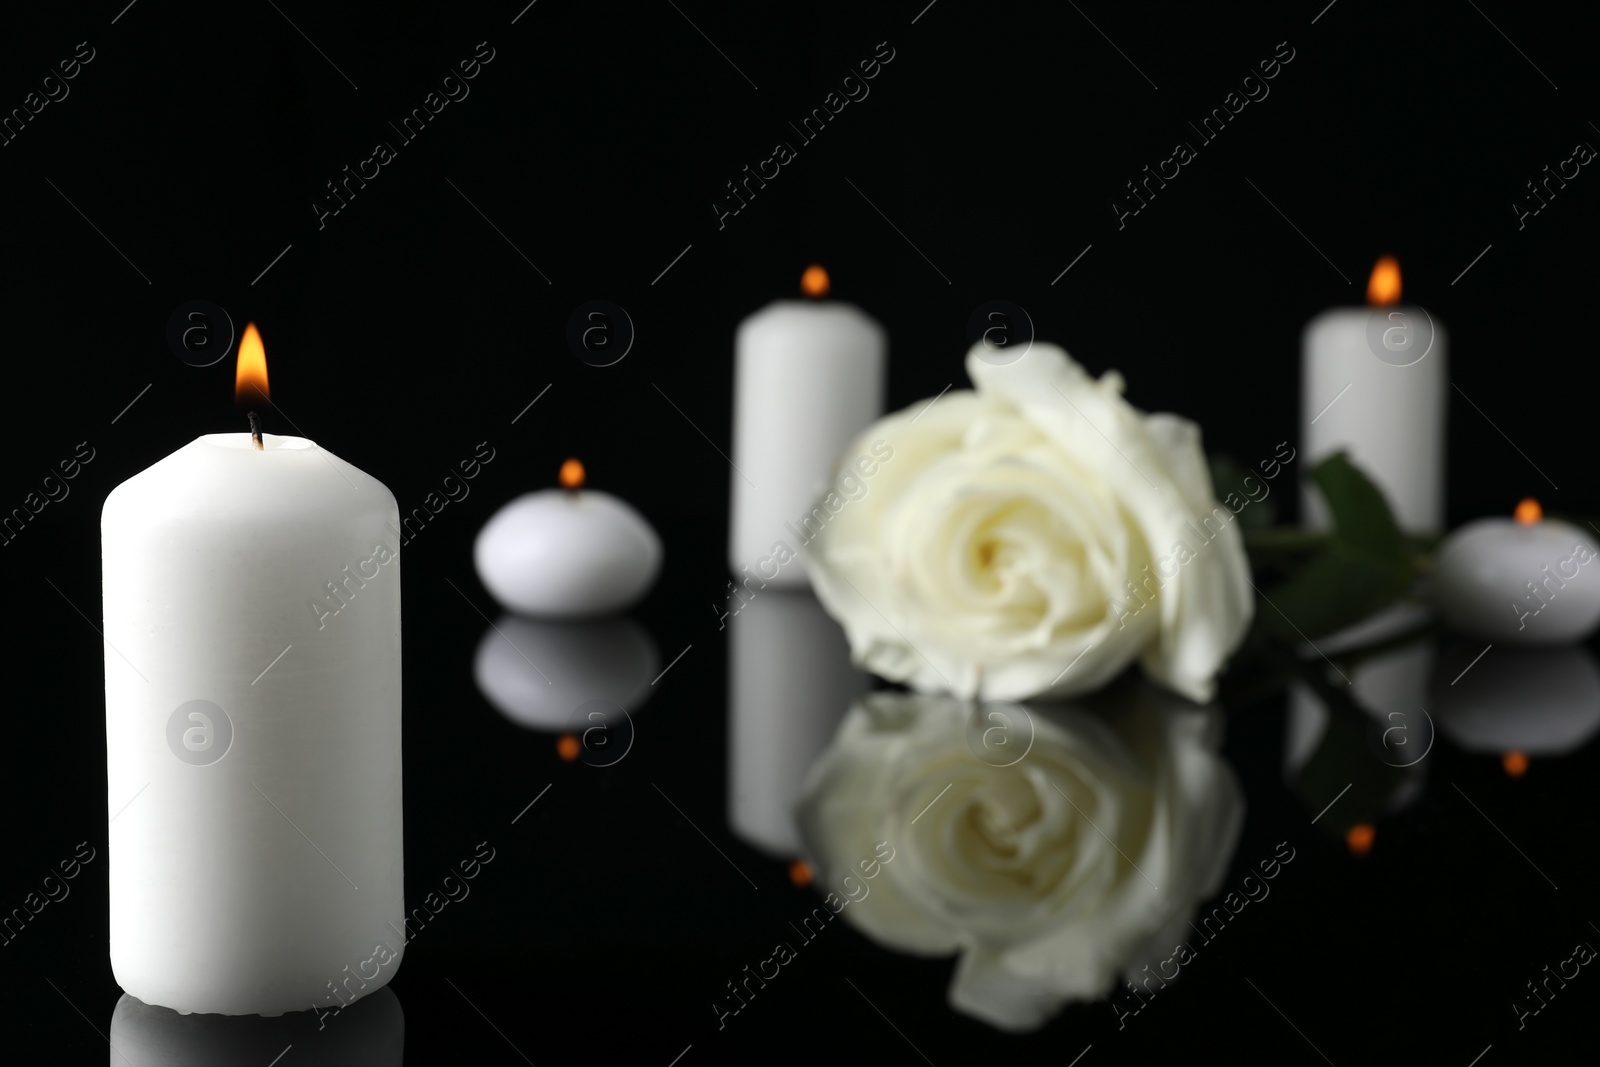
(1373, 384)
(808, 377)
(1524, 581)
(790, 683)
(252, 733)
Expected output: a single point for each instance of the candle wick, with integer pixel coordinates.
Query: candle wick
(255, 430)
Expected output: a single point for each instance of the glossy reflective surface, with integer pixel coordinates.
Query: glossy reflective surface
(1130, 872)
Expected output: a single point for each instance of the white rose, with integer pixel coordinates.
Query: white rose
(1081, 861)
(1035, 536)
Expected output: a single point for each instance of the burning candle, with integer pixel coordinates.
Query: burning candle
(1373, 384)
(1526, 580)
(568, 552)
(252, 737)
(808, 377)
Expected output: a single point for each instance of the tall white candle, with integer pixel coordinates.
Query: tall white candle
(1373, 384)
(252, 630)
(808, 377)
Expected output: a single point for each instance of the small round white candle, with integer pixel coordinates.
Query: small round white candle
(567, 553)
(808, 377)
(1525, 581)
(252, 661)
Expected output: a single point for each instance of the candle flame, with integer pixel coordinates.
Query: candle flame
(800, 873)
(571, 476)
(1383, 288)
(1359, 838)
(1528, 512)
(814, 282)
(1515, 763)
(250, 380)
(567, 747)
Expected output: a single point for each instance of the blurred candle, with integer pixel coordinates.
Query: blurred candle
(808, 377)
(1526, 580)
(1373, 385)
(567, 553)
(252, 630)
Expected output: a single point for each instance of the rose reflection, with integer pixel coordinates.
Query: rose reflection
(369, 1033)
(537, 673)
(1051, 877)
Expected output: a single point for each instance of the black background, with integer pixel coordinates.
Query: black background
(409, 327)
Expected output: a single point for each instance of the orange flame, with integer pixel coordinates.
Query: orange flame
(1359, 838)
(1383, 288)
(567, 747)
(814, 282)
(571, 476)
(250, 380)
(800, 873)
(1528, 512)
(1515, 763)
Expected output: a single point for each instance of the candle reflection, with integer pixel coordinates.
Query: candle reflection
(1326, 749)
(1536, 702)
(537, 673)
(789, 683)
(369, 1033)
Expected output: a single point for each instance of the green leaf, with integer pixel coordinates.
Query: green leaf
(1365, 565)
(1338, 588)
(1228, 477)
(1287, 539)
(1361, 516)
